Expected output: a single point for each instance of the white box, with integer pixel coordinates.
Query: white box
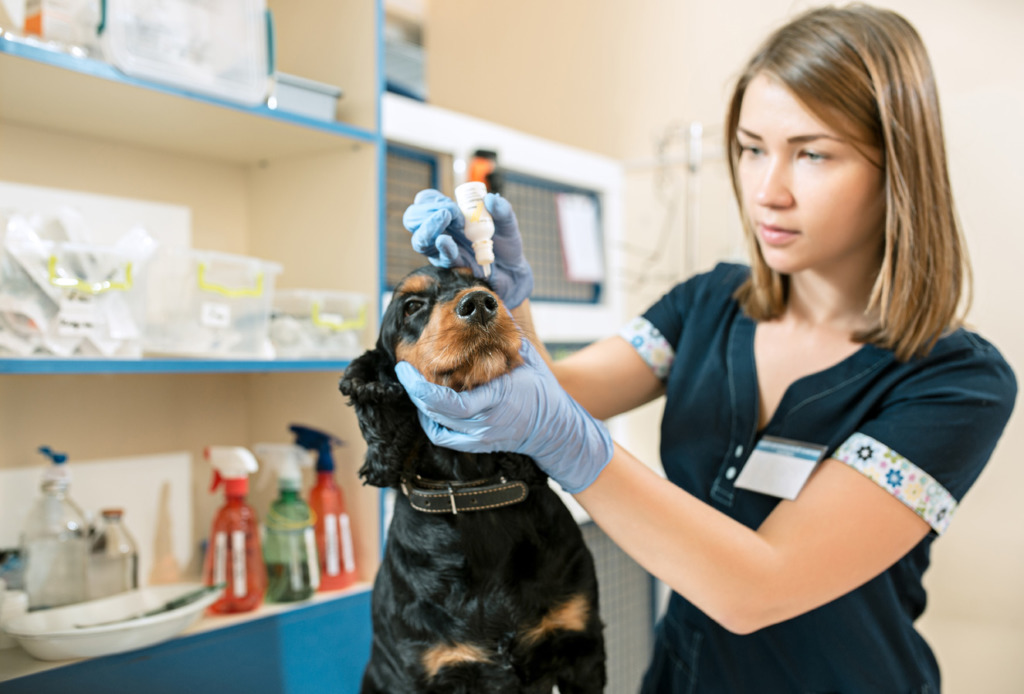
(305, 97)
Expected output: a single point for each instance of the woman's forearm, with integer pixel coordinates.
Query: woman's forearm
(841, 532)
(523, 315)
(606, 377)
(716, 562)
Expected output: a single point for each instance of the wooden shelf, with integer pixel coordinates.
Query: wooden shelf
(166, 366)
(54, 90)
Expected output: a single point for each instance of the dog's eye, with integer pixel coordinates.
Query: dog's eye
(411, 306)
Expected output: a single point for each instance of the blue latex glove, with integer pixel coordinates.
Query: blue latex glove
(437, 227)
(525, 411)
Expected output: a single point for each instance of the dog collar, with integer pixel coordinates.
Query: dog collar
(444, 496)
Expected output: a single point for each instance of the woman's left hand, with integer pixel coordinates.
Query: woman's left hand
(437, 227)
(525, 411)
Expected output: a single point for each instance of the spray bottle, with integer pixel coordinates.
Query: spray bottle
(479, 224)
(55, 542)
(289, 545)
(234, 557)
(333, 530)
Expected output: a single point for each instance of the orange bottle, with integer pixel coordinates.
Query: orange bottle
(234, 557)
(333, 529)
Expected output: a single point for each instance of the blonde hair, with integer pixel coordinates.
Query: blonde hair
(865, 72)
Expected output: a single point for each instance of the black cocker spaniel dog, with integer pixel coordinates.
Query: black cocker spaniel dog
(486, 585)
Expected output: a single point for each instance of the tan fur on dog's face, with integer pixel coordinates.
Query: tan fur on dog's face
(452, 328)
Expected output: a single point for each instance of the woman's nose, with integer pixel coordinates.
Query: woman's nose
(774, 189)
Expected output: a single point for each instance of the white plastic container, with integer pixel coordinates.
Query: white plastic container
(215, 48)
(210, 304)
(318, 324)
(69, 299)
(305, 97)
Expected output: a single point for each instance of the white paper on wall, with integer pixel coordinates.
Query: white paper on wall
(581, 237)
(108, 217)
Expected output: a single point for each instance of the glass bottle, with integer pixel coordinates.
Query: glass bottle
(55, 543)
(114, 560)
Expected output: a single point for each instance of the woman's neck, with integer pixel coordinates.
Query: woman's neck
(830, 302)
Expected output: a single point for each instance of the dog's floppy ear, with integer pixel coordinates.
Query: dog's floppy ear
(387, 417)
(370, 379)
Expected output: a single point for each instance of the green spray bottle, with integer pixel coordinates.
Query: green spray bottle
(289, 544)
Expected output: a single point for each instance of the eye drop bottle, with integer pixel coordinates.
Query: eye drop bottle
(479, 225)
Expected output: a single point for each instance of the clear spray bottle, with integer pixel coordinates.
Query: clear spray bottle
(479, 224)
(289, 546)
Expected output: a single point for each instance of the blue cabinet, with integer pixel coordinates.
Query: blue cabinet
(321, 647)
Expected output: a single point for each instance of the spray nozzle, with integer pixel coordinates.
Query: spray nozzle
(231, 465)
(57, 475)
(286, 460)
(319, 441)
(57, 458)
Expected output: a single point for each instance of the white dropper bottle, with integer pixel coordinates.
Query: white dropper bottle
(479, 225)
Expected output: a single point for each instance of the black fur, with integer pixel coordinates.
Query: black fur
(475, 583)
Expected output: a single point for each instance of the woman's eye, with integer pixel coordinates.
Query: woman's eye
(814, 156)
(750, 149)
(412, 306)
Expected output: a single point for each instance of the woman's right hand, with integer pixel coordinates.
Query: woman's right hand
(525, 411)
(437, 228)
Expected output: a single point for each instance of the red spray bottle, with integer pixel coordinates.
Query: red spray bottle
(234, 556)
(333, 529)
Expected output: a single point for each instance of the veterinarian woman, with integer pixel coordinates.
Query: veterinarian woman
(840, 342)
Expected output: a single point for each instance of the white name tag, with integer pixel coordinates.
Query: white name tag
(780, 467)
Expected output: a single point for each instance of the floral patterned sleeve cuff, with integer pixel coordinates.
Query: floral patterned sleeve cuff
(921, 492)
(650, 344)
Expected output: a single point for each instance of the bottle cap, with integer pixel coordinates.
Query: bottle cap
(231, 465)
(319, 441)
(469, 194)
(286, 460)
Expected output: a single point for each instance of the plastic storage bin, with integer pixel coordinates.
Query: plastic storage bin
(209, 304)
(68, 299)
(318, 324)
(215, 48)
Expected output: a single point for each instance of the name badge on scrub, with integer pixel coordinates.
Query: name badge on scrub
(780, 467)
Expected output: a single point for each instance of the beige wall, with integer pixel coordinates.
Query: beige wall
(619, 79)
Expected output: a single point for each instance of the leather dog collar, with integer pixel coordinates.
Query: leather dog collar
(442, 496)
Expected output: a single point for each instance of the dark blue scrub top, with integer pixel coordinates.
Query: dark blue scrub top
(922, 429)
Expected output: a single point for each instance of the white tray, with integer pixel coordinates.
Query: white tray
(54, 634)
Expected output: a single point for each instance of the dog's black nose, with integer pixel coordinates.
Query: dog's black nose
(480, 307)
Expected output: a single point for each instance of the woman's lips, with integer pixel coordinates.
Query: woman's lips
(776, 236)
